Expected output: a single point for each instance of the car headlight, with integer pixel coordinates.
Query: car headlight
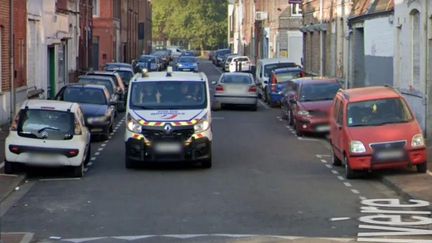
(202, 126)
(417, 141)
(179, 65)
(303, 113)
(133, 125)
(357, 147)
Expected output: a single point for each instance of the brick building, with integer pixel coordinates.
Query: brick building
(129, 29)
(145, 27)
(85, 39)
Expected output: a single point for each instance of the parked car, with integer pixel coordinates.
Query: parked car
(126, 75)
(117, 65)
(210, 55)
(149, 62)
(374, 128)
(120, 86)
(164, 58)
(225, 67)
(187, 54)
(96, 104)
(279, 79)
(264, 69)
(187, 63)
(48, 133)
(217, 58)
(310, 103)
(176, 51)
(240, 64)
(236, 89)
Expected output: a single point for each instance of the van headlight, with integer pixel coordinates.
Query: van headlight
(133, 125)
(202, 126)
(357, 147)
(417, 141)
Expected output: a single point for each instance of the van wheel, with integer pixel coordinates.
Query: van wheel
(349, 173)
(78, 171)
(9, 167)
(422, 168)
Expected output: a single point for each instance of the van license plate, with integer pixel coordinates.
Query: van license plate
(168, 147)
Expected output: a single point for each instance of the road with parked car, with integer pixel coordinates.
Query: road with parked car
(252, 156)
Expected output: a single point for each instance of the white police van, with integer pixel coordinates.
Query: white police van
(168, 118)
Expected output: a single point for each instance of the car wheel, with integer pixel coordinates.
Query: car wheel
(336, 160)
(297, 129)
(422, 168)
(349, 173)
(264, 97)
(78, 171)
(284, 113)
(9, 167)
(129, 164)
(88, 155)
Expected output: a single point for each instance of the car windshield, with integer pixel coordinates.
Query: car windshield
(126, 76)
(378, 112)
(187, 59)
(236, 79)
(147, 59)
(46, 124)
(283, 77)
(105, 82)
(168, 95)
(318, 91)
(270, 67)
(85, 95)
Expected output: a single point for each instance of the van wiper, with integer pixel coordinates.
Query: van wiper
(48, 128)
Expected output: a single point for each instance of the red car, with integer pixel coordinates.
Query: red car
(307, 103)
(373, 128)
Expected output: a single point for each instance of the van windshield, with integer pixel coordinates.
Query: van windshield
(168, 95)
(378, 112)
(46, 124)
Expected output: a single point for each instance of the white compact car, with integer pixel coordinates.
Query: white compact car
(48, 133)
(239, 64)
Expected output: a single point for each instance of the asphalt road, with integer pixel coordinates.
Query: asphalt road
(266, 184)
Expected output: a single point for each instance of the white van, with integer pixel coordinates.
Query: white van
(265, 67)
(168, 118)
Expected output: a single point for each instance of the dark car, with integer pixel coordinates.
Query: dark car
(149, 62)
(163, 56)
(217, 53)
(120, 88)
(117, 65)
(187, 63)
(126, 75)
(187, 54)
(278, 81)
(95, 103)
(221, 56)
(307, 102)
(108, 82)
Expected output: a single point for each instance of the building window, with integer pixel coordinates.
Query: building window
(96, 8)
(415, 48)
(296, 9)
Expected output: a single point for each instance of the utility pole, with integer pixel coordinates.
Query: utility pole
(321, 38)
(11, 60)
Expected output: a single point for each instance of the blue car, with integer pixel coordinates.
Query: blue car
(187, 63)
(278, 81)
(149, 62)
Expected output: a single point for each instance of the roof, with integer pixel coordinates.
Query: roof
(106, 72)
(58, 105)
(286, 69)
(175, 76)
(237, 74)
(95, 86)
(368, 7)
(315, 80)
(370, 93)
(120, 69)
(119, 64)
(275, 60)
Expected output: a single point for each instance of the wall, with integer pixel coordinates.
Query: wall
(5, 64)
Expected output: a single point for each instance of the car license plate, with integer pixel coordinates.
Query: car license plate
(323, 128)
(168, 147)
(394, 154)
(96, 130)
(186, 69)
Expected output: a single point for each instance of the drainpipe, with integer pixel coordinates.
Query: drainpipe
(11, 60)
(321, 38)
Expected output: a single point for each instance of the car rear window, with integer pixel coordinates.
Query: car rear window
(187, 59)
(126, 76)
(46, 124)
(378, 112)
(318, 91)
(85, 95)
(270, 67)
(236, 79)
(105, 82)
(283, 77)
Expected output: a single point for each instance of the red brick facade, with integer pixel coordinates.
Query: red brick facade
(85, 41)
(4, 31)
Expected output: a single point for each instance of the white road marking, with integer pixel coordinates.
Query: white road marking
(104, 144)
(347, 184)
(429, 172)
(90, 164)
(100, 149)
(308, 139)
(278, 117)
(93, 159)
(84, 239)
(341, 178)
(324, 161)
(110, 137)
(340, 219)
(362, 198)
(320, 156)
(335, 172)
(97, 153)
(288, 127)
(264, 104)
(61, 179)
(355, 191)
(329, 166)
(1, 165)
(392, 240)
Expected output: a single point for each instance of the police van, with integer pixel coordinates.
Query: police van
(168, 118)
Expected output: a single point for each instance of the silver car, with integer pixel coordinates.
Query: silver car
(236, 89)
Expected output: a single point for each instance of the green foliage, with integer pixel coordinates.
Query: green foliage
(202, 23)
